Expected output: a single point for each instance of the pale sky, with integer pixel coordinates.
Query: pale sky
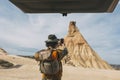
(24, 34)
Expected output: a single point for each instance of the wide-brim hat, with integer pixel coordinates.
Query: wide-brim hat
(52, 38)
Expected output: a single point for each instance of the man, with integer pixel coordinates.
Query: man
(50, 58)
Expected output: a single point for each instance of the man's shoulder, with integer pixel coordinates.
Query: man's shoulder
(36, 55)
(59, 50)
(44, 50)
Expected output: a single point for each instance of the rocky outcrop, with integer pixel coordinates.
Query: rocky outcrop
(80, 52)
(5, 64)
(2, 52)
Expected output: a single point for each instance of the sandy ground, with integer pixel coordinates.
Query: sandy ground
(28, 69)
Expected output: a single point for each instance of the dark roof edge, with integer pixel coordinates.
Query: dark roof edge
(112, 6)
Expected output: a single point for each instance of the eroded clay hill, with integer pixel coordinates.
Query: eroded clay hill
(80, 52)
(3, 52)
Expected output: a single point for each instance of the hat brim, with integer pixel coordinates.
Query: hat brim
(49, 40)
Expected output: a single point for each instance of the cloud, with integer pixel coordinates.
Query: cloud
(25, 33)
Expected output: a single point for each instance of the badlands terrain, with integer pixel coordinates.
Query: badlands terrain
(28, 69)
(82, 62)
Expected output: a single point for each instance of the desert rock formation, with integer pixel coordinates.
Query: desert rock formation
(3, 62)
(80, 52)
(2, 52)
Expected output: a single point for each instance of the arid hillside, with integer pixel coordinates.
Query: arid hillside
(28, 69)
